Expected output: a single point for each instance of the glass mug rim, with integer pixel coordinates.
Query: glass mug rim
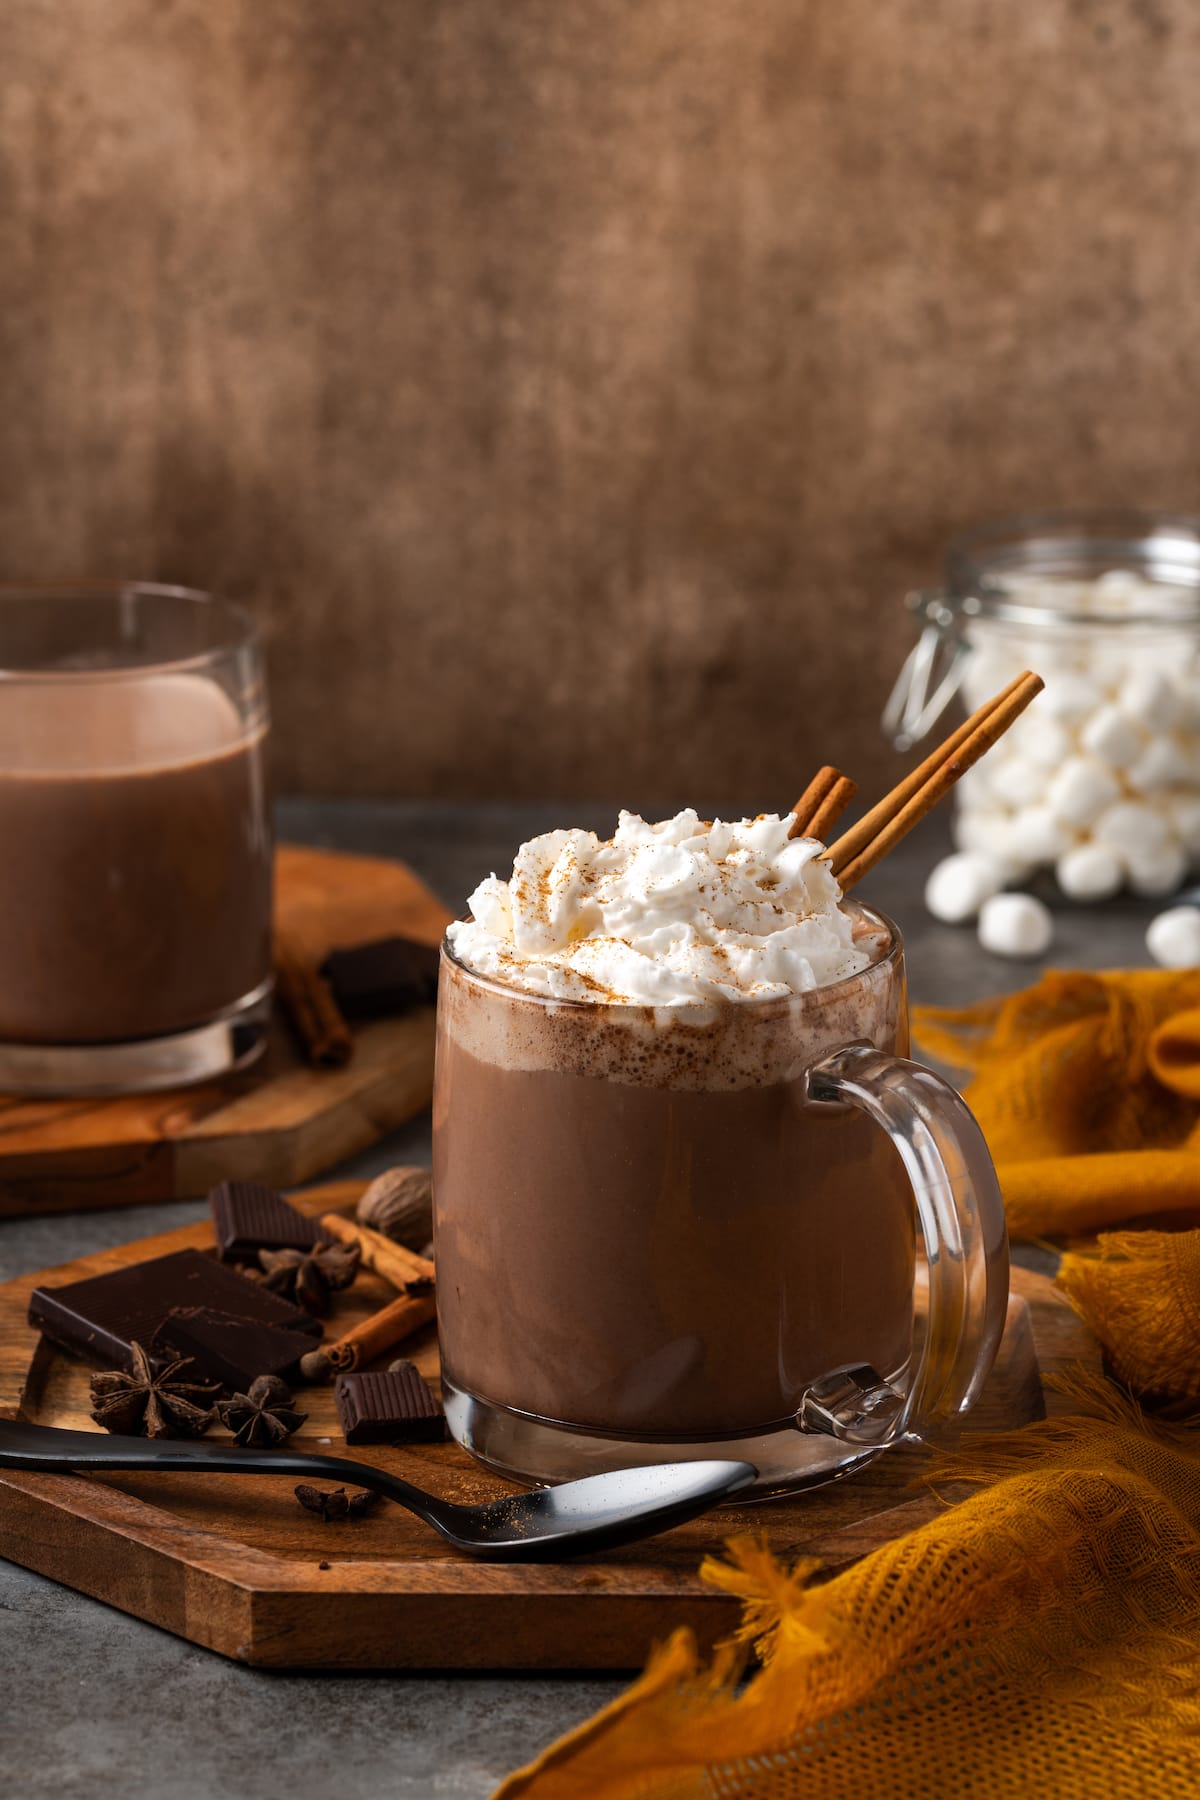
(239, 632)
(889, 952)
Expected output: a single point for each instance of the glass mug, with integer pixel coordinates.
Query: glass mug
(135, 886)
(689, 1232)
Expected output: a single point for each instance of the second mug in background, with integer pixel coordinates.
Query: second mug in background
(135, 886)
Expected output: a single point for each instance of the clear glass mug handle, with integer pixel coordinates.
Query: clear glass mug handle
(961, 1216)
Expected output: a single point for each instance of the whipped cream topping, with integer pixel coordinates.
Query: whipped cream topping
(663, 914)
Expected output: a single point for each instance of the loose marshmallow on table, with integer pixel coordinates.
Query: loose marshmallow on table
(1015, 925)
(960, 884)
(1173, 938)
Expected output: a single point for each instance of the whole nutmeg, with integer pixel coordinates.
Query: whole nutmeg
(399, 1203)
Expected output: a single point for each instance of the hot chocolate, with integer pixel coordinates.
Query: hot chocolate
(643, 1226)
(135, 880)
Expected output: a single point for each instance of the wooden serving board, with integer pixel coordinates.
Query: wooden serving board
(234, 1564)
(280, 1122)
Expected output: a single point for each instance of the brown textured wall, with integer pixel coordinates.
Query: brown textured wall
(574, 386)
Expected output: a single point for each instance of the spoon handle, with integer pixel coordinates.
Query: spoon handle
(50, 1448)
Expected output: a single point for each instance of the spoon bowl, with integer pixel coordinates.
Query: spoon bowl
(596, 1513)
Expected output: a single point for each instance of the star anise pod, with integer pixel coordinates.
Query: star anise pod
(311, 1277)
(262, 1416)
(152, 1402)
(335, 1503)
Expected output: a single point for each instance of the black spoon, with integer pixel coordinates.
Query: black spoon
(592, 1514)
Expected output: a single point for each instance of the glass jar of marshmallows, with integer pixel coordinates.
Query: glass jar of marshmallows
(1100, 779)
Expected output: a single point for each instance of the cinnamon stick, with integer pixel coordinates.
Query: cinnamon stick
(393, 1261)
(307, 999)
(823, 801)
(865, 844)
(389, 1326)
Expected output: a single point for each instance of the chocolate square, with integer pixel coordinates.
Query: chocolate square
(99, 1317)
(388, 976)
(393, 1406)
(248, 1217)
(227, 1349)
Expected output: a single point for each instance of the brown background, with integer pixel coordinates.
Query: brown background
(575, 386)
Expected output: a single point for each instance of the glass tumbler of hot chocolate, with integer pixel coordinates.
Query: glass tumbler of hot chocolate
(682, 1163)
(135, 882)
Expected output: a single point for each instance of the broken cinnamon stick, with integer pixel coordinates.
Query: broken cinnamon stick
(308, 1003)
(393, 1261)
(391, 1325)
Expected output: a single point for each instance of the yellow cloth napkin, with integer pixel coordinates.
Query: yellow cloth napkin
(1088, 1091)
(1041, 1639)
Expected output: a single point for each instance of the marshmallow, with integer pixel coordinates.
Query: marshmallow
(1173, 938)
(1161, 873)
(1135, 831)
(1036, 835)
(1109, 757)
(1118, 588)
(1089, 872)
(1161, 764)
(1081, 790)
(1070, 697)
(1184, 813)
(1148, 697)
(1017, 781)
(1113, 737)
(1015, 925)
(1042, 740)
(983, 831)
(960, 884)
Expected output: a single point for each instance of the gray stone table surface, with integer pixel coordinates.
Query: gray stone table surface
(108, 1705)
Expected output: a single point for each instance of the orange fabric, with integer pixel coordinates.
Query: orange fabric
(1140, 1293)
(1088, 1091)
(1043, 1638)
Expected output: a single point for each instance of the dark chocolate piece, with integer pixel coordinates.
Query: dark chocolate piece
(230, 1350)
(387, 976)
(389, 1407)
(248, 1217)
(100, 1317)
